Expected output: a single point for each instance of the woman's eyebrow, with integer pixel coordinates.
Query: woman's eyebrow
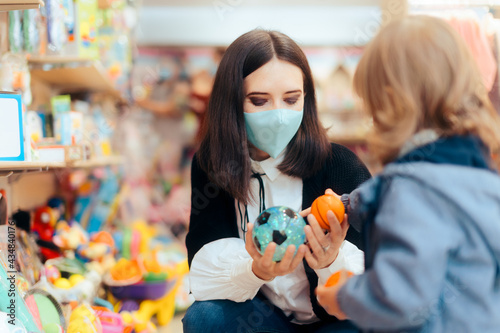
(264, 93)
(257, 93)
(293, 91)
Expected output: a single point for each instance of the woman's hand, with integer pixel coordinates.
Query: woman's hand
(264, 267)
(324, 248)
(327, 298)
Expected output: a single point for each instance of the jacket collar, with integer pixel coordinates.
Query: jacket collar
(463, 150)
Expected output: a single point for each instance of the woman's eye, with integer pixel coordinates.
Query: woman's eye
(258, 101)
(291, 101)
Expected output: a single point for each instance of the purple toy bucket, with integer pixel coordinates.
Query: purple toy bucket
(142, 291)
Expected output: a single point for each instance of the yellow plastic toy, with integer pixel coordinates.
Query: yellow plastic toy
(164, 308)
(147, 232)
(75, 279)
(83, 319)
(62, 283)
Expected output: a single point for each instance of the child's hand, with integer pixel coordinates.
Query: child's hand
(324, 248)
(327, 297)
(264, 267)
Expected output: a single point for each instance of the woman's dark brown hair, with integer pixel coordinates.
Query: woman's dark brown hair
(223, 152)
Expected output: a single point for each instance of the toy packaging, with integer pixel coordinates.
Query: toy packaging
(11, 127)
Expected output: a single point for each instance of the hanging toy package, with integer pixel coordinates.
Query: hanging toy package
(31, 22)
(15, 31)
(56, 29)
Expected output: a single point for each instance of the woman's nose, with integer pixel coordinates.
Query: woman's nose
(277, 103)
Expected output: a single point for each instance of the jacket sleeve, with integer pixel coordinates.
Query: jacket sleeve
(222, 269)
(212, 212)
(411, 240)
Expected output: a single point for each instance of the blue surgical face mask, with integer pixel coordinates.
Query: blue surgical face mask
(272, 130)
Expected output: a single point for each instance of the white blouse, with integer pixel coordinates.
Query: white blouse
(222, 269)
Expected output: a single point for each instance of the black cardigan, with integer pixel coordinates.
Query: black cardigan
(213, 212)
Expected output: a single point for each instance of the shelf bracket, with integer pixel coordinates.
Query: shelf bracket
(7, 174)
(13, 176)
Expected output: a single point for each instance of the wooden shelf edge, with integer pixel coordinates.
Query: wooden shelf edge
(89, 76)
(57, 59)
(97, 162)
(6, 167)
(8, 5)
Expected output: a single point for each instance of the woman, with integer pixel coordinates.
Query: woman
(263, 146)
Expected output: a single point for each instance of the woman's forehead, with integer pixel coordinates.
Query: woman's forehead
(275, 76)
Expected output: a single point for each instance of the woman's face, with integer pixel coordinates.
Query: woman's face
(276, 85)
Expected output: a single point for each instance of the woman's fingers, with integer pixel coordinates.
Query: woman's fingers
(299, 256)
(329, 191)
(267, 258)
(312, 240)
(305, 212)
(285, 262)
(311, 259)
(315, 227)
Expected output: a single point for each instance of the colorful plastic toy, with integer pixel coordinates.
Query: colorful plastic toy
(83, 319)
(47, 307)
(111, 322)
(125, 272)
(62, 283)
(53, 328)
(154, 271)
(335, 277)
(322, 205)
(22, 312)
(43, 225)
(76, 279)
(44, 222)
(70, 237)
(281, 225)
(52, 273)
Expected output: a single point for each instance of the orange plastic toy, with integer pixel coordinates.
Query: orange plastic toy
(335, 278)
(322, 205)
(126, 270)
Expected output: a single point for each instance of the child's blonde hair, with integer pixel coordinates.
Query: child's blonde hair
(418, 74)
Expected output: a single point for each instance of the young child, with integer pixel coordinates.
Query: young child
(432, 217)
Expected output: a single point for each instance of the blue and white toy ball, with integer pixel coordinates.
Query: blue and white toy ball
(281, 225)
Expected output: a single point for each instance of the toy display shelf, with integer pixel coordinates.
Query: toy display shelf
(6, 5)
(73, 74)
(8, 168)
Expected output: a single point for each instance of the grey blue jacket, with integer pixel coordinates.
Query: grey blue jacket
(432, 244)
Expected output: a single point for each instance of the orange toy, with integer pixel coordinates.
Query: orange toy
(335, 278)
(322, 205)
(126, 270)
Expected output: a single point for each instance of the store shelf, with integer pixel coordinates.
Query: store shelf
(29, 166)
(6, 168)
(73, 74)
(97, 162)
(54, 60)
(7, 5)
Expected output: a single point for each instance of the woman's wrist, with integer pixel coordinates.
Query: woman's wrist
(261, 275)
(331, 262)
